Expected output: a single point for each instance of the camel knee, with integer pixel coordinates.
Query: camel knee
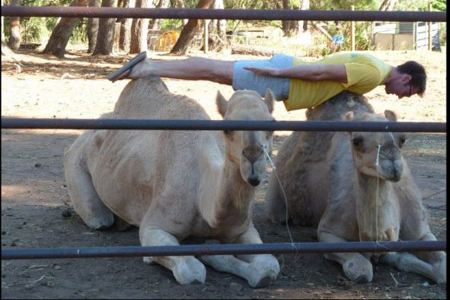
(263, 269)
(356, 267)
(189, 270)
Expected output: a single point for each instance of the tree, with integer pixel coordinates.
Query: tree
(155, 23)
(125, 27)
(139, 30)
(105, 36)
(60, 36)
(387, 5)
(189, 31)
(92, 27)
(14, 38)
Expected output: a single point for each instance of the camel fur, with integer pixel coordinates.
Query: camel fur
(177, 184)
(338, 182)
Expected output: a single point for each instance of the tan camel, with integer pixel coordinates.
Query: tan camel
(177, 184)
(354, 186)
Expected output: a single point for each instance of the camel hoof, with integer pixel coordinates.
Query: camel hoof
(358, 270)
(190, 271)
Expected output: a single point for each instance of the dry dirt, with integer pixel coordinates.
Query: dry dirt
(36, 208)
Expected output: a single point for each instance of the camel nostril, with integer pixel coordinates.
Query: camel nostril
(253, 180)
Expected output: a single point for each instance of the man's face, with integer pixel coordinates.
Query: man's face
(401, 86)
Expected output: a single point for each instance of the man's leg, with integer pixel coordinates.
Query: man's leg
(194, 68)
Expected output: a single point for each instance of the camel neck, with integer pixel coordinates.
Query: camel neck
(374, 210)
(225, 197)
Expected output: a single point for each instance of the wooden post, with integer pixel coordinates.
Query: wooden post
(430, 38)
(353, 32)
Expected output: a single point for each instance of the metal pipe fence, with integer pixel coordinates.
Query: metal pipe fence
(148, 124)
(215, 249)
(229, 14)
(221, 249)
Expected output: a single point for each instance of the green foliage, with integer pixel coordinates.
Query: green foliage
(439, 5)
(171, 24)
(38, 29)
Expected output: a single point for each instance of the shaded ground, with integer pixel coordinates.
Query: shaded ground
(35, 203)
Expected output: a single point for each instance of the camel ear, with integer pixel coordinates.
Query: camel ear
(222, 104)
(390, 115)
(349, 116)
(269, 98)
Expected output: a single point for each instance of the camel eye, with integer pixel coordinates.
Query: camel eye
(358, 141)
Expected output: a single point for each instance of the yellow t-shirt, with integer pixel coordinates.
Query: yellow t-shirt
(364, 73)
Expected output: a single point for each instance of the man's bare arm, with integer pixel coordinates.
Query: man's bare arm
(306, 72)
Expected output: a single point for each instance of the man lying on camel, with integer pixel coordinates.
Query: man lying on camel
(298, 83)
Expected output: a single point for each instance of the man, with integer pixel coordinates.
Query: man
(299, 84)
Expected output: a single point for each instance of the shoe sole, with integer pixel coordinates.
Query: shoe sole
(126, 68)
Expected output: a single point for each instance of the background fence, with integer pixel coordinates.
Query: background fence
(77, 12)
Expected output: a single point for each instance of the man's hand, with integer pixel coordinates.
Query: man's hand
(263, 71)
(313, 72)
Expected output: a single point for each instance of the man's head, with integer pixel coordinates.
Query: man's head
(407, 79)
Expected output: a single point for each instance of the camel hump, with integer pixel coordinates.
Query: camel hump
(337, 106)
(149, 97)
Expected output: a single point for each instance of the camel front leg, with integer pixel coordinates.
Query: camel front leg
(431, 264)
(186, 269)
(263, 267)
(355, 266)
(410, 263)
(259, 270)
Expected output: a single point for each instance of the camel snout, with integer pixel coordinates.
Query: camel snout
(253, 180)
(392, 170)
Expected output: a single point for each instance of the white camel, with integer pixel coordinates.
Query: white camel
(354, 186)
(176, 184)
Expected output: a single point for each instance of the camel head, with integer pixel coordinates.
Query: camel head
(246, 148)
(377, 154)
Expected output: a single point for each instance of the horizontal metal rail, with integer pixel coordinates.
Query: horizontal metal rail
(229, 14)
(141, 124)
(216, 249)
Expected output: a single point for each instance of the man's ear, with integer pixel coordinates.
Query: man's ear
(406, 78)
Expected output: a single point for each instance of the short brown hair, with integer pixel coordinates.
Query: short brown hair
(418, 75)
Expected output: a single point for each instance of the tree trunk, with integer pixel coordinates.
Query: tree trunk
(125, 28)
(139, 30)
(289, 27)
(61, 33)
(387, 5)
(303, 25)
(14, 38)
(189, 31)
(3, 29)
(92, 27)
(105, 37)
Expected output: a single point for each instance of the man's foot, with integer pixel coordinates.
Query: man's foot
(125, 70)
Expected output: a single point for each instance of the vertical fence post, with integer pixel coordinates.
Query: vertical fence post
(353, 31)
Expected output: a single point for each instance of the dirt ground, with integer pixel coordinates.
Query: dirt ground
(36, 211)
